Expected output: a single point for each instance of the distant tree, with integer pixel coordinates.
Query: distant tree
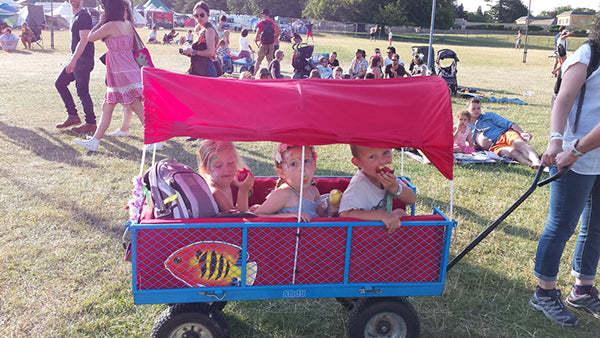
(460, 11)
(285, 8)
(328, 10)
(507, 10)
(478, 16)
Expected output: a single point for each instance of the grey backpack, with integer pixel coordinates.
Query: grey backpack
(179, 192)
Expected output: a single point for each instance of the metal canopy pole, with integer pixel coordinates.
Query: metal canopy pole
(526, 32)
(431, 27)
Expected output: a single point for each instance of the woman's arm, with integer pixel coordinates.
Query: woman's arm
(100, 31)
(573, 79)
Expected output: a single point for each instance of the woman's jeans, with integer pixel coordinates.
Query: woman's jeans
(571, 196)
(81, 76)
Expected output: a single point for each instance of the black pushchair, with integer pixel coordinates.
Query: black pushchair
(424, 51)
(448, 73)
(301, 60)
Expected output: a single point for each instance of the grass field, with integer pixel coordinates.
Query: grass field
(62, 272)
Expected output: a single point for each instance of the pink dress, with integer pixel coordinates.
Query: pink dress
(123, 75)
(461, 141)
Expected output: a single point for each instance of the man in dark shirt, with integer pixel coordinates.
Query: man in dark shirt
(79, 68)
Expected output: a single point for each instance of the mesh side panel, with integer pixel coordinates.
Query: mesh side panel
(321, 255)
(154, 246)
(410, 254)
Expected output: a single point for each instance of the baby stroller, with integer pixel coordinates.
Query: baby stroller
(301, 60)
(423, 50)
(448, 73)
(286, 35)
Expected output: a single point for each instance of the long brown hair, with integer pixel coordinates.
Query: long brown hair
(594, 36)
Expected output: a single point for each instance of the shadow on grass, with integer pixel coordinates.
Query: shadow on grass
(92, 218)
(483, 222)
(47, 146)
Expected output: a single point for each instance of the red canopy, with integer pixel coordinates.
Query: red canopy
(391, 113)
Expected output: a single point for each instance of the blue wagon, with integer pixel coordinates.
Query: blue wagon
(198, 265)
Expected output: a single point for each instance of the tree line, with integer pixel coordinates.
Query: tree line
(383, 12)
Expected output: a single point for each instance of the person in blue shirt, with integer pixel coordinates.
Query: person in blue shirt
(505, 138)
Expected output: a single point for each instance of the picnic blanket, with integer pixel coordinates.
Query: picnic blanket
(480, 157)
(507, 100)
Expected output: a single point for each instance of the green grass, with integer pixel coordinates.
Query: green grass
(62, 273)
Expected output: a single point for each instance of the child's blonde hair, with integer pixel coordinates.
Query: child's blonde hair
(278, 158)
(314, 74)
(207, 152)
(463, 113)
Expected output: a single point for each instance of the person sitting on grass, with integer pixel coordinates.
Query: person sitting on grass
(168, 38)
(153, 36)
(505, 138)
(370, 192)
(9, 41)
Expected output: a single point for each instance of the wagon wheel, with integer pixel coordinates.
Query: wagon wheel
(191, 320)
(348, 303)
(219, 306)
(383, 317)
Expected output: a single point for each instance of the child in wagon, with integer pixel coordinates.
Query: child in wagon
(372, 188)
(285, 199)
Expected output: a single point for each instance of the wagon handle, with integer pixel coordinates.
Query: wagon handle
(536, 183)
(554, 177)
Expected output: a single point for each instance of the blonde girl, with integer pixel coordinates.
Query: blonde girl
(463, 141)
(285, 199)
(218, 162)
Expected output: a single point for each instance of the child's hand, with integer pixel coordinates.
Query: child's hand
(391, 221)
(388, 180)
(246, 184)
(303, 217)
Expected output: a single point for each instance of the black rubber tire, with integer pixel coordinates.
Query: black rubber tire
(383, 317)
(348, 303)
(191, 320)
(219, 306)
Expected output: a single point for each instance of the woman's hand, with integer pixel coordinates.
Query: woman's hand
(187, 51)
(549, 157)
(565, 159)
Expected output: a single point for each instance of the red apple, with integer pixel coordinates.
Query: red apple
(242, 174)
(384, 169)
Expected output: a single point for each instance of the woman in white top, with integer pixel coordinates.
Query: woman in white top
(574, 143)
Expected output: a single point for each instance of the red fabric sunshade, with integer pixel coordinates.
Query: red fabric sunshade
(391, 113)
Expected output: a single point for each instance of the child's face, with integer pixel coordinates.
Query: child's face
(463, 120)
(369, 159)
(223, 167)
(291, 169)
(338, 75)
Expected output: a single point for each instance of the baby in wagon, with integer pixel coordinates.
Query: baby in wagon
(285, 199)
(370, 192)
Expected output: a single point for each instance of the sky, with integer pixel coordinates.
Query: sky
(536, 5)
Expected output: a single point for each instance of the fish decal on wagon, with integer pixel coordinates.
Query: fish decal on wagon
(210, 263)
